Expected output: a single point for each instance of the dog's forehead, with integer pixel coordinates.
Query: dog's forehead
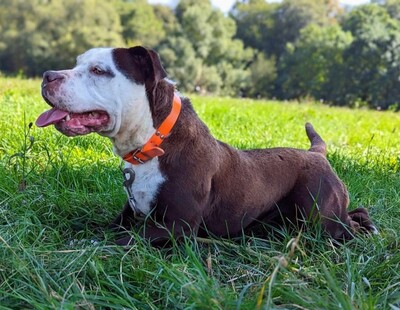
(95, 55)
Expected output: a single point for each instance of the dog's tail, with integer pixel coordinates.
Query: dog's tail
(317, 144)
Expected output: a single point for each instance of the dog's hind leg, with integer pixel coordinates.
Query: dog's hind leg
(324, 199)
(329, 203)
(331, 196)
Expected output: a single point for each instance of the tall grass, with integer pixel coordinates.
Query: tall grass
(57, 194)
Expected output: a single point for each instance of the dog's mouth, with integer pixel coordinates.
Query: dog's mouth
(71, 124)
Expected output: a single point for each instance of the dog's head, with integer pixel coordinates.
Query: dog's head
(105, 92)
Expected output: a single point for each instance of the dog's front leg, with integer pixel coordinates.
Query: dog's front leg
(124, 221)
(161, 235)
(178, 212)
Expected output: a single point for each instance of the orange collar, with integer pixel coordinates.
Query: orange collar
(152, 147)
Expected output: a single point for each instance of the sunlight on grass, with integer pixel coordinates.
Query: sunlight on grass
(57, 197)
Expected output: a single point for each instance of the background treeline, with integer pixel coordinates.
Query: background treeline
(296, 49)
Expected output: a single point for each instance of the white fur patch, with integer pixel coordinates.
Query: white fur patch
(147, 183)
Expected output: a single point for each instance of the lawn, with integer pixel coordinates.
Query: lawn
(57, 193)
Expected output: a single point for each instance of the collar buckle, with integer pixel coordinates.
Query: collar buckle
(137, 159)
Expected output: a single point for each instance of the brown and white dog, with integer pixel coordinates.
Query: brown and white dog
(198, 185)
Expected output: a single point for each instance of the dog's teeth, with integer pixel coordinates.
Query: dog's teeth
(68, 117)
(94, 114)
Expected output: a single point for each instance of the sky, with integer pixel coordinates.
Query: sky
(225, 5)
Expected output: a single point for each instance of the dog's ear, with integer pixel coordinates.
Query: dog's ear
(158, 69)
(140, 64)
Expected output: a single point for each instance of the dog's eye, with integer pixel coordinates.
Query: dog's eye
(97, 71)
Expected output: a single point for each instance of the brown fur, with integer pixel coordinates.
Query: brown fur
(216, 189)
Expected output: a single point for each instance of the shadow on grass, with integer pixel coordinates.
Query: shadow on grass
(90, 193)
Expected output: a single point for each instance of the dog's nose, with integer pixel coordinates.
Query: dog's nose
(50, 76)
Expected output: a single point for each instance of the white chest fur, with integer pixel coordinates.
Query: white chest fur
(147, 183)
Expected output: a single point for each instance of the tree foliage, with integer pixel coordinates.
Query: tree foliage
(255, 24)
(203, 47)
(372, 67)
(268, 27)
(289, 50)
(322, 52)
(42, 34)
(140, 24)
(292, 16)
(308, 68)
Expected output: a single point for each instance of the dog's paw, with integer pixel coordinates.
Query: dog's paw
(372, 229)
(125, 241)
(364, 223)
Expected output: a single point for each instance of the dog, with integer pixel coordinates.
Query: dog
(177, 175)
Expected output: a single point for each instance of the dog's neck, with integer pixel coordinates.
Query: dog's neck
(154, 108)
(133, 137)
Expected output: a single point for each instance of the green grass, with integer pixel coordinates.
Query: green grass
(56, 195)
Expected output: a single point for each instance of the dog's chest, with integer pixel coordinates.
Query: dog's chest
(148, 179)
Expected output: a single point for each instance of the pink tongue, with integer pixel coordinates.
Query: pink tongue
(50, 117)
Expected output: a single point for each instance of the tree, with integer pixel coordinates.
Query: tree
(268, 27)
(292, 16)
(262, 76)
(167, 16)
(308, 68)
(139, 23)
(202, 54)
(255, 24)
(38, 35)
(391, 6)
(372, 61)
